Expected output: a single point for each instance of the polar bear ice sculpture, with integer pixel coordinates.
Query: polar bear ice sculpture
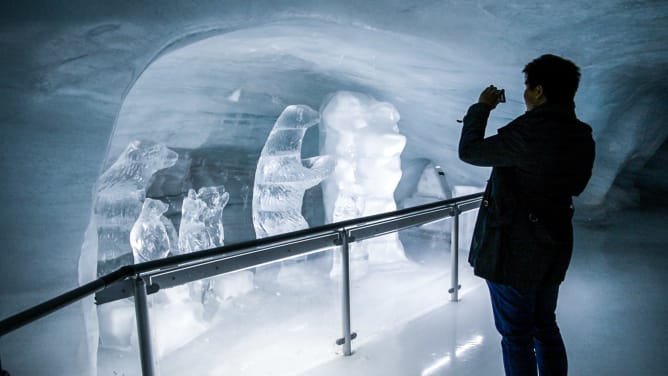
(120, 192)
(281, 178)
(362, 134)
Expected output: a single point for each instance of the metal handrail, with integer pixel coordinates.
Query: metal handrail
(122, 282)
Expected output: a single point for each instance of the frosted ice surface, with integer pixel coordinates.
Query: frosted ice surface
(281, 177)
(149, 237)
(363, 135)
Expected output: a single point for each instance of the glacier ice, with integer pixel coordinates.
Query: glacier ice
(363, 135)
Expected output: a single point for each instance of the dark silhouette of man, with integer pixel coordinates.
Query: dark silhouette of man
(523, 238)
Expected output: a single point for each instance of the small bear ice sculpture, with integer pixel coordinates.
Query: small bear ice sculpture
(149, 237)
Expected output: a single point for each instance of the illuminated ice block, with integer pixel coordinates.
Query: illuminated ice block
(202, 228)
(202, 219)
(363, 135)
(282, 177)
(149, 236)
(119, 196)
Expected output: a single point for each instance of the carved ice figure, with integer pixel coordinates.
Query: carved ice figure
(120, 192)
(202, 228)
(363, 135)
(202, 219)
(149, 236)
(282, 177)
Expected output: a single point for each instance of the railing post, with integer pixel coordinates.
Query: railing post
(345, 292)
(144, 328)
(454, 256)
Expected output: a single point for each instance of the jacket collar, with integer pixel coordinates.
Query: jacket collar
(558, 109)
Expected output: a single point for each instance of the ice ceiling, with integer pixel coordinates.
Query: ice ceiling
(83, 75)
(185, 97)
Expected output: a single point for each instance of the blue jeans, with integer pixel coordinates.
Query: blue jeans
(527, 322)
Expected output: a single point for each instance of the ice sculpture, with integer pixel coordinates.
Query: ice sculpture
(281, 177)
(363, 135)
(149, 236)
(120, 192)
(202, 219)
(202, 228)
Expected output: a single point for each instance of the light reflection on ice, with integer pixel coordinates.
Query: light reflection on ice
(285, 329)
(469, 345)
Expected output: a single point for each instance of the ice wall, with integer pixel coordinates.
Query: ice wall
(69, 68)
(431, 80)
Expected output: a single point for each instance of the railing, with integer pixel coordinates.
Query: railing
(141, 280)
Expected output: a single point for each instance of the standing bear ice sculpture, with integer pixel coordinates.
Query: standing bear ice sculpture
(202, 219)
(150, 235)
(363, 135)
(282, 177)
(202, 228)
(120, 192)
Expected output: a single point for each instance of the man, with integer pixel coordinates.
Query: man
(523, 238)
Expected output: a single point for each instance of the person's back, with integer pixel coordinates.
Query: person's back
(557, 164)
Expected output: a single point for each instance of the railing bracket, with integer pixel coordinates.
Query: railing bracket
(339, 240)
(341, 341)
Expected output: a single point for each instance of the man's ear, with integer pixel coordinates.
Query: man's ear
(539, 92)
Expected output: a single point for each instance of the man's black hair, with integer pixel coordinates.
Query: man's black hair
(558, 77)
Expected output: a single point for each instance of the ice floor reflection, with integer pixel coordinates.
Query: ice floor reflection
(289, 326)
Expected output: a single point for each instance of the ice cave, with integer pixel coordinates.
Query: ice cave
(132, 132)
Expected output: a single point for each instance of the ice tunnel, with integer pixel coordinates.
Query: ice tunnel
(212, 105)
(200, 85)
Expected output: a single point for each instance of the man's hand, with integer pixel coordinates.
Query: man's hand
(491, 96)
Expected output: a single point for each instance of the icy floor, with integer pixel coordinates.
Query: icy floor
(612, 313)
(291, 327)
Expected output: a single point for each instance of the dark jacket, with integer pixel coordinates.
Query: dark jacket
(523, 236)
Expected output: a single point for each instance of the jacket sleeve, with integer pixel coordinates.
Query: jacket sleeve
(503, 149)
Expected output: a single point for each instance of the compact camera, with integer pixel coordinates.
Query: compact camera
(502, 95)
